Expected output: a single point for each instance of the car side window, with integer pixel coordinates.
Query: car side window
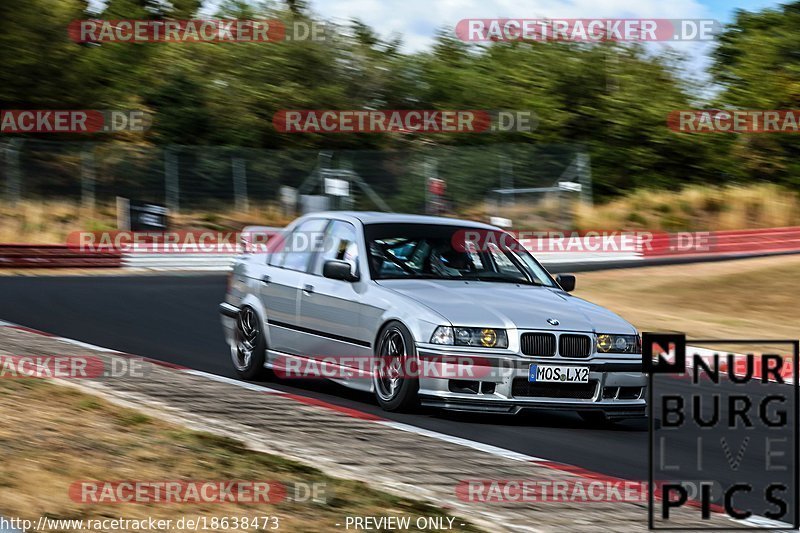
(340, 244)
(300, 245)
(276, 246)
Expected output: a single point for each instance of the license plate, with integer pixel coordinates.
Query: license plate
(558, 374)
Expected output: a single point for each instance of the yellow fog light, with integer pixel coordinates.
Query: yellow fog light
(603, 343)
(488, 337)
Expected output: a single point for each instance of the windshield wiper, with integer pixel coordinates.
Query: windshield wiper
(501, 279)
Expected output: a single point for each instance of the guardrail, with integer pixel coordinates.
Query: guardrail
(772, 240)
(54, 256)
(209, 262)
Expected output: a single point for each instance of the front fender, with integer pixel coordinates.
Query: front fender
(420, 320)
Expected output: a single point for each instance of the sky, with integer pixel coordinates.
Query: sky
(418, 20)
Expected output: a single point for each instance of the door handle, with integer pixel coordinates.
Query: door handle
(308, 289)
(265, 280)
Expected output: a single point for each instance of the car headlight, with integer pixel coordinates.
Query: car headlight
(609, 343)
(481, 337)
(442, 335)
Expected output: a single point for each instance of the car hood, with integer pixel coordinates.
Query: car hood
(506, 305)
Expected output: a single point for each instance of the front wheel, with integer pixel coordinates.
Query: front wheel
(396, 386)
(249, 347)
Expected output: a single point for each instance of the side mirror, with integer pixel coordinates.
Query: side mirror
(341, 270)
(567, 281)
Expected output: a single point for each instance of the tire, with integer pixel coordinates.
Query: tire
(395, 346)
(250, 347)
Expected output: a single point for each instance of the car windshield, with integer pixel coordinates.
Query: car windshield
(426, 251)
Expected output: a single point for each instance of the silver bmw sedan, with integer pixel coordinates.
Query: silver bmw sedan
(428, 311)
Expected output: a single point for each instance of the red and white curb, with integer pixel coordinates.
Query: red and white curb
(755, 521)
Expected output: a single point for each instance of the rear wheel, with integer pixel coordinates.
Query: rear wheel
(249, 349)
(395, 354)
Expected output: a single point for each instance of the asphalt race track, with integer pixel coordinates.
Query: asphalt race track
(175, 319)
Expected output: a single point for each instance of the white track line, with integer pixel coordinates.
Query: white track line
(89, 346)
(480, 446)
(763, 522)
(230, 381)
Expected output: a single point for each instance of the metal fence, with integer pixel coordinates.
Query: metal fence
(198, 177)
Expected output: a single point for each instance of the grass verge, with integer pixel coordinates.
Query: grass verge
(53, 436)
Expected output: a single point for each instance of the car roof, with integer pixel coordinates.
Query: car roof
(378, 217)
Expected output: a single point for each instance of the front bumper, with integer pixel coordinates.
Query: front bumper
(498, 383)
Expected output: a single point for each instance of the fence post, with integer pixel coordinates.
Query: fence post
(506, 179)
(123, 214)
(171, 180)
(584, 172)
(13, 182)
(431, 171)
(87, 179)
(240, 184)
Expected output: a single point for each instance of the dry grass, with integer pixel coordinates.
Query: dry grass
(49, 222)
(695, 208)
(225, 218)
(748, 298)
(52, 436)
(545, 212)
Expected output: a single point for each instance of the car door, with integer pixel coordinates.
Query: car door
(281, 283)
(330, 309)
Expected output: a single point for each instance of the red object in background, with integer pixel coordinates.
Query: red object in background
(436, 186)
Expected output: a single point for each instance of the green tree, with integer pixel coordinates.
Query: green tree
(757, 63)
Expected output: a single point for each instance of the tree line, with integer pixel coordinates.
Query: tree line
(610, 99)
